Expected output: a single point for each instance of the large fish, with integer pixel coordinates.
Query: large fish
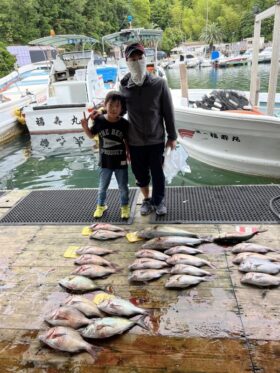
(94, 250)
(183, 281)
(78, 284)
(162, 243)
(67, 339)
(106, 227)
(147, 263)
(93, 259)
(235, 238)
(109, 326)
(146, 275)
(103, 235)
(120, 307)
(188, 259)
(153, 254)
(260, 279)
(252, 247)
(84, 305)
(183, 250)
(259, 265)
(67, 316)
(184, 269)
(93, 271)
(157, 231)
(241, 256)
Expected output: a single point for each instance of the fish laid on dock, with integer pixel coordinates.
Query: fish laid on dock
(260, 279)
(67, 316)
(146, 275)
(147, 263)
(94, 250)
(235, 238)
(259, 265)
(106, 227)
(78, 284)
(183, 250)
(183, 281)
(163, 243)
(104, 235)
(84, 305)
(157, 231)
(120, 307)
(67, 339)
(93, 271)
(188, 259)
(251, 247)
(153, 254)
(241, 256)
(93, 259)
(184, 269)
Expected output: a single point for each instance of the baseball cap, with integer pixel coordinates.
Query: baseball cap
(135, 47)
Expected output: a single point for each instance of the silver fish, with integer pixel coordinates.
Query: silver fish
(106, 227)
(106, 235)
(153, 254)
(93, 271)
(157, 231)
(78, 284)
(188, 259)
(120, 307)
(235, 238)
(93, 259)
(147, 263)
(147, 274)
(84, 305)
(162, 243)
(259, 265)
(183, 250)
(252, 247)
(67, 339)
(109, 326)
(188, 270)
(183, 281)
(260, 279)
(241, 256)
(94, 250)
(67, 316)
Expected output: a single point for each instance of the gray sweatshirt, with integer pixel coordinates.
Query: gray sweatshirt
(150, 111)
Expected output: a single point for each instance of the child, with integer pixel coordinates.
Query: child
(112, 131)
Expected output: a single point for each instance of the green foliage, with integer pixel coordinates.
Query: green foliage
(7, 61)
(211, 34)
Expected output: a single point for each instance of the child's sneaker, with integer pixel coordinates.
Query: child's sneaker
(125, 212)
(99, 211)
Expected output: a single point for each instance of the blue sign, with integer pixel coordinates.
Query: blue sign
(215, 55)
(129, 18)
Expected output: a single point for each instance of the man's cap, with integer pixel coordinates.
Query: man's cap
(135, 47)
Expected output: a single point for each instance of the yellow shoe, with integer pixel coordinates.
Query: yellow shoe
(125, 212)
(99, 211)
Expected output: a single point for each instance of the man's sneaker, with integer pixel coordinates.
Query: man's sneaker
(146, 207)
(99, 211)
(125, 212)
(161, 209)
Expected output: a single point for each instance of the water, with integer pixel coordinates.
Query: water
(24, 166)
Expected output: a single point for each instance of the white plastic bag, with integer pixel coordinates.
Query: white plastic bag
(174, 162)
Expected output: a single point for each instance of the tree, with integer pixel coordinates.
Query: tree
(211, 34)
(7, 61)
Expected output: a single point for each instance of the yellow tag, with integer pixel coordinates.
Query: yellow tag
(132, 237)
(86, 231)
(101, 297)
(71, 252)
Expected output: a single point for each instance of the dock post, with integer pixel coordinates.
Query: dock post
(254, 67)
(184, 80)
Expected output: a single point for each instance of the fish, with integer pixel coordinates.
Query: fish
(147, 263)
(93, 271)
(146, 275)
(69, 340)
(103, 235)
(67, 316)
(120, 307)
(183, 250)
(94, 250)
(259, 265)
(109, 326)
(235, 238)
(93, 259)
(78, 284)
(183, 281)
(157, 231)
(153, 254)
(180, 269)
(260, 279)
(188, 259)
(84, 305)
(252, 247)
(241, 256)
(162, 243)
(106, 227)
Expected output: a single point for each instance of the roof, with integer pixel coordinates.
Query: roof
(127, 36)
(58, 40)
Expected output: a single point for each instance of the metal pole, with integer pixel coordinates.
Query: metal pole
(254, 68)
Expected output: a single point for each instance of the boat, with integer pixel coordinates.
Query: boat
(237, 60)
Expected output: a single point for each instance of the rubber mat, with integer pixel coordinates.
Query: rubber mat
(220, 204)
(74, 206)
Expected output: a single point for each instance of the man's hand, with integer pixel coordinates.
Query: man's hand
(171, 144)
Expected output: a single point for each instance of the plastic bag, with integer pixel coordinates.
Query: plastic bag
(174, 162)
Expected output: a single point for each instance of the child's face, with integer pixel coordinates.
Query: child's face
(113, 108)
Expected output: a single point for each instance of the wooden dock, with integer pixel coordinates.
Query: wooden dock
(217, 326)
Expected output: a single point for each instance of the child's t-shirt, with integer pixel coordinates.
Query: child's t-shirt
(112, 149)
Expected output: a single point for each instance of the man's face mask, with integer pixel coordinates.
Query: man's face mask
(137, 69)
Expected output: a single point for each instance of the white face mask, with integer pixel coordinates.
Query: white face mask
(137, 70)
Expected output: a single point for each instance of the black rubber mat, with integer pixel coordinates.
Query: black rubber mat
(74, 206)
(220, 204)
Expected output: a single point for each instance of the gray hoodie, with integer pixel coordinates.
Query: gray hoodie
(150, 111)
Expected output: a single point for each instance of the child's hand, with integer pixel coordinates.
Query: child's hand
(84, 121)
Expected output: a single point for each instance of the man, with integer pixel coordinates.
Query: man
(150, 116)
